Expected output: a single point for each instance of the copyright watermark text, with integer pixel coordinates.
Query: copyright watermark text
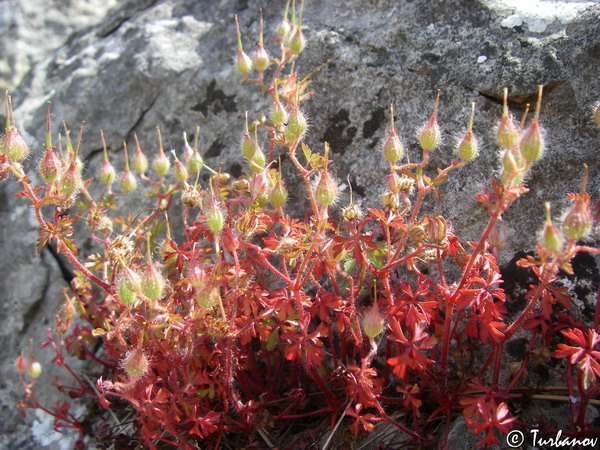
(516, 438)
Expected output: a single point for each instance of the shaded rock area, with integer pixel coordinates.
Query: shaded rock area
(170, 63)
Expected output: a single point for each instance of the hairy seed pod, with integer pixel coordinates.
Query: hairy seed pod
(393, 149)
(326, 192)
(136, 363)
(373, 322)
(128, 182)
(128, 286)
(14, 146)
(50, 166)
(153, 282)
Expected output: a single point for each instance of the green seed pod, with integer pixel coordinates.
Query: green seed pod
(279, 195)
(532, 143)
(50, 166)
(279, 115)
(467, 148)
(140, 162)
(195, 162)
(34, 370)
(153, 282)
(215, 218)
(243, 63)
(260, 59)
(107, 172)
(14, 146)
(70, 182)
(393, 149)
(326, 192)
(297, 42)
(296, 126)
(373, 322)
(552, 238)
(161, 164)
(128, 182)
(136, 363)
(128, 286)
(181, 172)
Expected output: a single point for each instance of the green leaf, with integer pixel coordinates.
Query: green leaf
(306, 151)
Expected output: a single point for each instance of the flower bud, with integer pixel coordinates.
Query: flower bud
(552, 238)
(215, 219)
(153, 282)
(467, 148)
(107, 172)
(50, 166)
(128, 182)
(279, 195)
(260, 59)
(136, 363)
(34, 370)
(128, 286)
(14, 146)
(326, 192)
(296, 126)
(373, 322)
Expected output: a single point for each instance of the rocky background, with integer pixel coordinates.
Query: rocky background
(128, 66)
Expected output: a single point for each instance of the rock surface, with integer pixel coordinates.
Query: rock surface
(169, 63)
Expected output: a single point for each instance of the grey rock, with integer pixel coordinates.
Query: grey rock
(31, 29)
(170, 63)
